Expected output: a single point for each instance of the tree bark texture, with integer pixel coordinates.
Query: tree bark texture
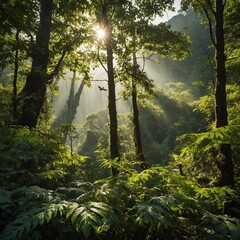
(113, 124)
(221, 116)
(35, 87)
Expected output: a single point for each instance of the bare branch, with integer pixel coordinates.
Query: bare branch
(57, 67)
(65, 50)
(99, 80)
(99, 59)
(120, 98)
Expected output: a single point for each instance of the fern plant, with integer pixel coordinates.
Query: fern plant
(199, 153)
(221, 227)
(85, 218)
(56, 200)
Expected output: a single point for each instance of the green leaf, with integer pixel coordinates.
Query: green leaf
(5, 199)
(86, 230)
(71, 209)
(234, 229)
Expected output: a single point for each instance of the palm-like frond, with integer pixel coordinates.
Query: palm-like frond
(92, 216)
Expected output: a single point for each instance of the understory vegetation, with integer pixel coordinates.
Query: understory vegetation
(167, 168)
(47, 193)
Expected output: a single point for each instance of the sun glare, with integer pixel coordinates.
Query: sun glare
(100, 33)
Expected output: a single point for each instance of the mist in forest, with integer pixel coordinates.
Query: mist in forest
(92, 99)
(95, 97)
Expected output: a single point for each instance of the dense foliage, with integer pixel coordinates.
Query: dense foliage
(56, 178)
(46, 195)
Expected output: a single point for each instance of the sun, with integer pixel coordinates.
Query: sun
(101, 34)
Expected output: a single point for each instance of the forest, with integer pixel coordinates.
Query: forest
(116, 124)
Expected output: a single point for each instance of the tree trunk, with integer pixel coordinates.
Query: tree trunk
(35, 87)
(136, 124)
(15, 76)
(114, 145)
(114, 148)
(74, 99)
(221, 116)
(73, 102)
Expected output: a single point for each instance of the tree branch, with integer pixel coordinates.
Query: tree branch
(57, 67)
(210, 6)
(224, 3)
(99, 80)
(232, 58)
(209, 21)
(99, 59)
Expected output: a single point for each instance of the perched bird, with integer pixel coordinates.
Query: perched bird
(102, 88)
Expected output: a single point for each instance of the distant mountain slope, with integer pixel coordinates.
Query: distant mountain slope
(195, 67)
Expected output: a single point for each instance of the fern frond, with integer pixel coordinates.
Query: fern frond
(221, 226)
(155, 213)
(25, 222)
(90, 216)
(203, 142)
(5, 199)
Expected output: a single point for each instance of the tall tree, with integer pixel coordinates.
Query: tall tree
(226, 167)
(214, 12)
(35, 87)
(111, 14)
(140, 37)
(113, 124)
(136, 122)
(50, 57)
(15, 41)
